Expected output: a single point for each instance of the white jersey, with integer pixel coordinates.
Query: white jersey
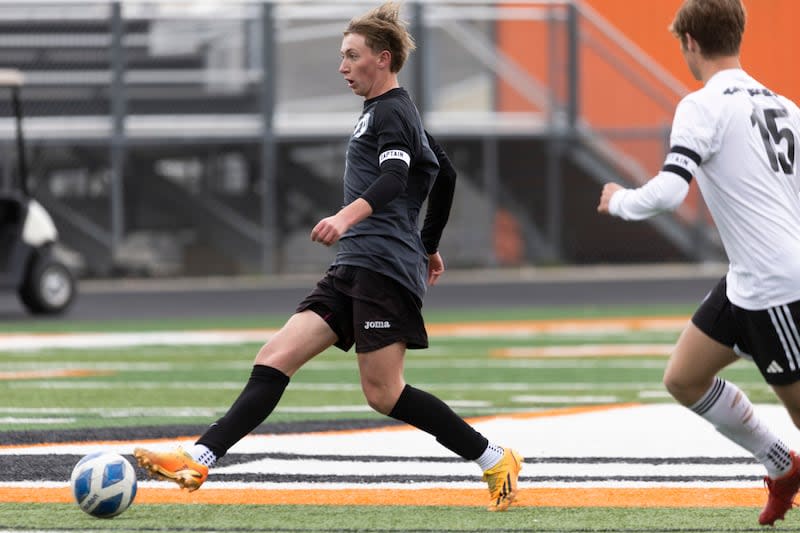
(738, 139)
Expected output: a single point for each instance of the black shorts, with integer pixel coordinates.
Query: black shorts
(367, 309)
(770, 337)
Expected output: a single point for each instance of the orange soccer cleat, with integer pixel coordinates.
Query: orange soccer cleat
(176, 465)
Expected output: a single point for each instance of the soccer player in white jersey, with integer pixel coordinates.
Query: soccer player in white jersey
(737, 138)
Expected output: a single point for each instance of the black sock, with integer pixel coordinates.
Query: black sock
(430, 414)
(254, 404)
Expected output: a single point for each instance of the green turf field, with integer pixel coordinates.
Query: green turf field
(302, 519)
(190, 386)
(193, 384)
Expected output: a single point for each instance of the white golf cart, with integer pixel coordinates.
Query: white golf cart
(44, 284)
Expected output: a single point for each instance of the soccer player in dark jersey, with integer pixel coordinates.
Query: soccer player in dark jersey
(372, 294)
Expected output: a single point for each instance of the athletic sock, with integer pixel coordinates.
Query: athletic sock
(430, 414)
(254, 404)
(732, 414)
(203, 455)
(490, 457)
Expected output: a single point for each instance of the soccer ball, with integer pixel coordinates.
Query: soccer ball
(104, 484)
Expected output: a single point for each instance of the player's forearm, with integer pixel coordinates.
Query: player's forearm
(665, 192)
(355, 212)
(440, 201)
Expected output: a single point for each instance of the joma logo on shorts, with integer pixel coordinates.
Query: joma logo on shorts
(377, 324)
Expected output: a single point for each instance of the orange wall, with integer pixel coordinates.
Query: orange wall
(769, 48)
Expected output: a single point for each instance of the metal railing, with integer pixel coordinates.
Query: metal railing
(115, 88)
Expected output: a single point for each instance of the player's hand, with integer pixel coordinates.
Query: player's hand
(329, 230)
(605, 197)
(435, 268)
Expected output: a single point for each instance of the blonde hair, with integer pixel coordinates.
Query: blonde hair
(717, 25)
(383, 29)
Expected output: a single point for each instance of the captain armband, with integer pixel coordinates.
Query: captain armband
(682, 161)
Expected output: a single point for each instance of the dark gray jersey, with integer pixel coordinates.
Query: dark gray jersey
(388, 241)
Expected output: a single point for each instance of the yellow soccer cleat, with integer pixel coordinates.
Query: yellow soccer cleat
(502, 480)
(177, 466)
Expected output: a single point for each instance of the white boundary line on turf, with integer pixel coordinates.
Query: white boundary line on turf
(627, 434)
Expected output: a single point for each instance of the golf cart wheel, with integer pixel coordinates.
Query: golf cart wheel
(49, 287)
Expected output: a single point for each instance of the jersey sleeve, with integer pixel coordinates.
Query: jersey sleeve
(665, 192)
(395, 135)
(394, 157)
(691, 142)
(440, 199)
(692, 139)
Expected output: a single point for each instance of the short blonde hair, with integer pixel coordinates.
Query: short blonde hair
(383, 29)
(717, 25)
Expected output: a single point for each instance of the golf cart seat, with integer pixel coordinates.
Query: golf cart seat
(12, 217)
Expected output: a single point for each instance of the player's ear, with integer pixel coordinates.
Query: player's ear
(691, 44)
(385, 59)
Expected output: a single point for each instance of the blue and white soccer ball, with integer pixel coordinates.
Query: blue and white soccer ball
(104, 484)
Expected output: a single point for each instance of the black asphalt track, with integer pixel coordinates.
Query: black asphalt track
(483, 289)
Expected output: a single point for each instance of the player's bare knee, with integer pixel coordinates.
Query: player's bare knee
(671, 382)
(284, 360)
(378, 398)
(266, 355)
(379, 403)
(679, 388)
(687, 390)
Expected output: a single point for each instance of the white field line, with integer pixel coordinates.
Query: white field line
(320, 365)
(585, 350)
(558, 470)
(40, 341)
(325, 366)
(334, 486)
(25, 341)
(93, 365)
(9, 420)
(501, 363)
(620, 435)
(111, 412)
(338, 387)
(172, 412)
(31, 531)
(539, 399)
(524, 329)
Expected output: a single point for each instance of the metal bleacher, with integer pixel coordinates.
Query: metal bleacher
(66, 54)
(170, 98)
(212, 132)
